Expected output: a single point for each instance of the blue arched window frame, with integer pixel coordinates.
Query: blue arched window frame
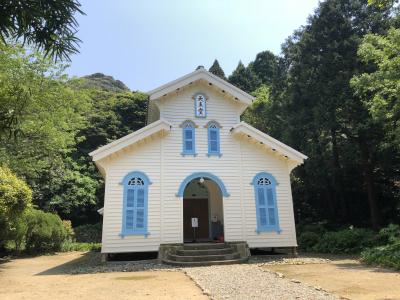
(135, 204)
(214, 145)
(266, 202)
(188, 138)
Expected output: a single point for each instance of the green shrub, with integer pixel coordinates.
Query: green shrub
(345, 241)
(89, 233)
(313, 227)
(387, 256)
(307, 240)
(69, 230)
(45, 232)
(389, 234)
(73, 246)
(15, 198)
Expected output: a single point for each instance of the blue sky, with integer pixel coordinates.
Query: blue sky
(148, 43)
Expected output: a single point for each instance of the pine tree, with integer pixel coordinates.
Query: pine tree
(244, 78)
(265, 66)
(217, 70)
(328, 122)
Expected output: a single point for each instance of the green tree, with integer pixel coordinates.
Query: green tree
(15, 198)
(265, 66)
(217, 70)
(40, 115)
(319, 115)
(244, 78)
(50, 25)
(380, 89)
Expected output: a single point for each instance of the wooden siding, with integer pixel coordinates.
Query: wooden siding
(163, 163)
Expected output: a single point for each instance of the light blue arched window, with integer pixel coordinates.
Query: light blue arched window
(189, 138)
(214, 147)
(266, 203)
(134, 220)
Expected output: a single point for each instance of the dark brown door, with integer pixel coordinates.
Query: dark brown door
(195, 208)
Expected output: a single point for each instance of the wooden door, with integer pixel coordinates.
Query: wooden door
(195, 208)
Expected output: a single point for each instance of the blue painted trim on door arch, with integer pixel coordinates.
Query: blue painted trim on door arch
(208, 175)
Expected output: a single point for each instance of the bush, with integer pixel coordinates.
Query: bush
(45, 232)
(307, 240)
(345, 241)
(15, 198)
(389, 235)
(387, 256)
(69, 230)
(89, 233)
(313, 227)
(73, 246)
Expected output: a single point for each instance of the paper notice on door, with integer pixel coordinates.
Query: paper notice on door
(195, 222)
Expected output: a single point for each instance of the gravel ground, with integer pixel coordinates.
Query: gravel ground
(250, 281)
(241, 281)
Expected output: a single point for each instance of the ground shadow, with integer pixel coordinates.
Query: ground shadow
(90, 262)
(86, 259)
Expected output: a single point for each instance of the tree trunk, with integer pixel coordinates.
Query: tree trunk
(368, 180)
(337, 178)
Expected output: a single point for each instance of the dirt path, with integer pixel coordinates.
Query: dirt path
(346, 277)
(45, 277)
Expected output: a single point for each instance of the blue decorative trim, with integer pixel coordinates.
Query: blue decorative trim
(210, 152)
(146, 182)
(136, 174)
(266, 228)
(214, 154)
(145, 234)
(189, 154)
(204, 175)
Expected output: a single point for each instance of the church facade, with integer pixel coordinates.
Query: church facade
(197, 173)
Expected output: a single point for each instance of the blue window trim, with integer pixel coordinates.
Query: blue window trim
(273, 185)
(195, 105)
(147, 182)
(193, 130)
(208, 175)
(218, 152)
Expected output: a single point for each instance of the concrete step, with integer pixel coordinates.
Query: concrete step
(205, 246)
(205, 263)
(220, 257)
(205, 252)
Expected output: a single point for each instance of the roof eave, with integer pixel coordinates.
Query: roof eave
(177, 84)
(130, 139)
(269, 141)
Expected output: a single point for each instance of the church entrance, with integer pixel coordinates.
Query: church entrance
(202, 211)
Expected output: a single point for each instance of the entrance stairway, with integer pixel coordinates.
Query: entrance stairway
(205, 254)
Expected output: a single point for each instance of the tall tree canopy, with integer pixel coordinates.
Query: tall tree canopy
(217, 70)
(311, 105)
(265, 66)
(244, 78)
(50, 25)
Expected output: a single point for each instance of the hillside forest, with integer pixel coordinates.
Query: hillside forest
(332, 93)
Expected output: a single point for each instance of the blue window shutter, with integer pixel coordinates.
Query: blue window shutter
(266, 204)
(213, 140)
(188, 140)
(135, 204)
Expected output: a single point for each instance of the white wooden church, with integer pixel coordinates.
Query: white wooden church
(196, 173)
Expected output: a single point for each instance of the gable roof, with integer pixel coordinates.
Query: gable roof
(203, 74)
(273, 144)
(130, 139)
